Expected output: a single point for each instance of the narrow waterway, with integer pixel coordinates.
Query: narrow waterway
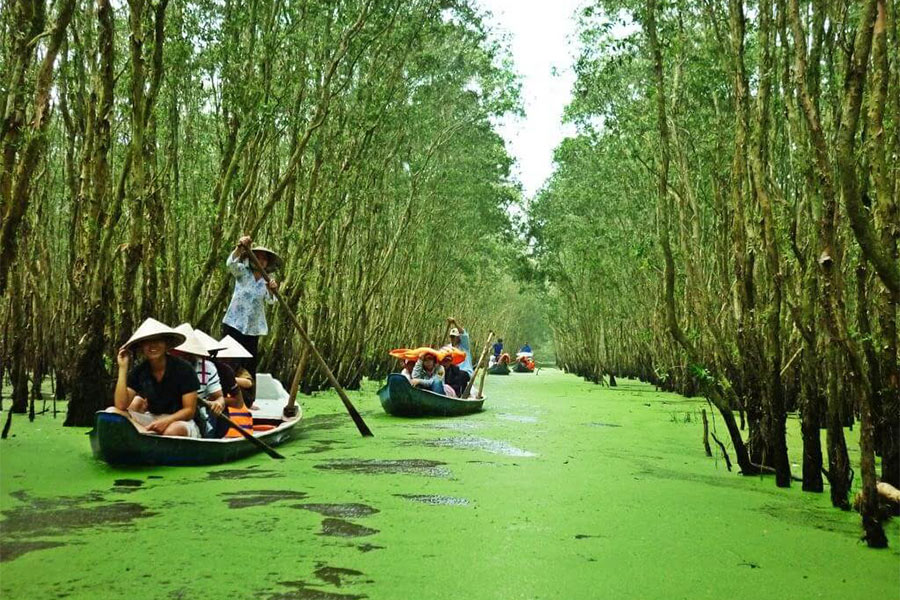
(559, 489)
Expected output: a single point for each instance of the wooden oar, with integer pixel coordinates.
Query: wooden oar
(480, 360)
(481, 383)
(295, 387)
(247, 435)
(354, 414)
(446, 333)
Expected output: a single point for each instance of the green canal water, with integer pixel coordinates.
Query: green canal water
(559, 489)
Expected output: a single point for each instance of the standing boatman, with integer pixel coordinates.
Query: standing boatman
(459, 340)
(498, 348)
(245, 320)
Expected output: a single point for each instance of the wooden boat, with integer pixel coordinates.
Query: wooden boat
(520, 368)
(400, 399)
(118, 440)
(499, 369)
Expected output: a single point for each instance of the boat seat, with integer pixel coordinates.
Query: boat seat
(271, 397)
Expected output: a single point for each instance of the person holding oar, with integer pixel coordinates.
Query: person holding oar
(231, 402)
(161, 392)
(459, 342)
(245, 320)
(291, 410)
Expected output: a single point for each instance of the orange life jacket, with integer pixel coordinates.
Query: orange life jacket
(243, 418)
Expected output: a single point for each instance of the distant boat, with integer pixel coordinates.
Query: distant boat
(117, 440)
(499, 369)
(521, 368)
(401, 399)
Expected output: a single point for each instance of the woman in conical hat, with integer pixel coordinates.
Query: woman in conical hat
(161, 392)
(230, 398)
(196, 352)
(245, 319)
(232, 355)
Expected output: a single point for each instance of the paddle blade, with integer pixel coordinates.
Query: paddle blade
(360, 424)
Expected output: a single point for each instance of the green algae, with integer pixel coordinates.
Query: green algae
(619, 501)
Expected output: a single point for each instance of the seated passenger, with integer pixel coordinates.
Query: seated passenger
(230, 398)
(234, 400)
(407, 370)
(427, 374)
(454, 377)
(196, 353)
(161, 392)
(231, 355)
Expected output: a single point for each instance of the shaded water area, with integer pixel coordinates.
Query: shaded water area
(559, 489)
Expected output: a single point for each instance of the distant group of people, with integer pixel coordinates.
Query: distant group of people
(498, 356)
(449, 369)
(183, 365)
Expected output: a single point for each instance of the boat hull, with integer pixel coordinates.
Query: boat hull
(520, 368)
(499, 369)
(400, 399)
(116, 440)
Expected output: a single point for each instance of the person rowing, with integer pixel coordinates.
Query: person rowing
(245, 320)
(459, 340)
(160, 393)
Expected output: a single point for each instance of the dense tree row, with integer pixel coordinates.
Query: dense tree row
(726, 222)
(140, 139)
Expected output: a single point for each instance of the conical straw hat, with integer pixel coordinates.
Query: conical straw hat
(152, 329)
(192, 344)
(233, 349)
(209, 342)
(275, 261)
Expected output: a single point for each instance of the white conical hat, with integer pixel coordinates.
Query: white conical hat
(153, 329)
(233, 349)
(275, 261)
(191, 345)
(209, 342)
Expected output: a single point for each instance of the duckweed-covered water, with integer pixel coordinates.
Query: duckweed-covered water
(559, 489)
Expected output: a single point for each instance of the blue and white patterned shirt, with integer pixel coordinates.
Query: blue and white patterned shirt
(247, 312)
